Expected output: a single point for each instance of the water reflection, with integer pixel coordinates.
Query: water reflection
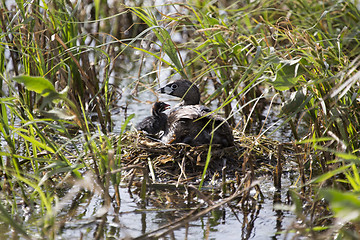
(278, 213)
(81, 217)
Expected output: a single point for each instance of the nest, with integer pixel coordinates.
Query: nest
(183, 161)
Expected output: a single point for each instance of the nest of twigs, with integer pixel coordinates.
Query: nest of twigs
(187, 162)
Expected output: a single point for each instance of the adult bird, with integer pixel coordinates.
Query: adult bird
(191, 122)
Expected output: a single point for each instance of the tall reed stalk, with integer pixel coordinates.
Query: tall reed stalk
(297, 59)
(305, 52)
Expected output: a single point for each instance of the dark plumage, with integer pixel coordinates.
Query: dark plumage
(192, 123)
(183, 89)
(156, 124)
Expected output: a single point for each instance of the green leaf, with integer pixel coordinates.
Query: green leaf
(295, 101)
(344, 205)
(59, 113)
(58, 167)
(285, 79)
(37, 84)
(287, 74)
(330, 174)
(36, 143)
(162, 34)
(5, 217)
(347, 156)
(97, 9)
(315, 140)
(123, 126)
(44, 87)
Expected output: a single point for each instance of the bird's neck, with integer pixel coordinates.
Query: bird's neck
(155, 113)
(191, 101)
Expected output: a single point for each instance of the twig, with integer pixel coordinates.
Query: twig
(278, 169)
(201, 195)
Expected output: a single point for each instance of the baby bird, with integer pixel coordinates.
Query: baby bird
(156, 124)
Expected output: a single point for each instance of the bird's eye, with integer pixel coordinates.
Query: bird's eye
(174, 86)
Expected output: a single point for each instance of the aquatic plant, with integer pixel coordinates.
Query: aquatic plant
(60, 62)
(266, 52)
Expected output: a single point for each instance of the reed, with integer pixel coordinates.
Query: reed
(306, 59)
(58, 67)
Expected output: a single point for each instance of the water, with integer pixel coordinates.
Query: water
(259, 221)
(80, 217)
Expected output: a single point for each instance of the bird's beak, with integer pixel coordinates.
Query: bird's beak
(167, 106)
(161, 90)
(167, 89)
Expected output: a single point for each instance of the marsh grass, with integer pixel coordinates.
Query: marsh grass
(57, 62)
(308, 58)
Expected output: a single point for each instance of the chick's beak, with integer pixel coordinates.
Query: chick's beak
(167, 106)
